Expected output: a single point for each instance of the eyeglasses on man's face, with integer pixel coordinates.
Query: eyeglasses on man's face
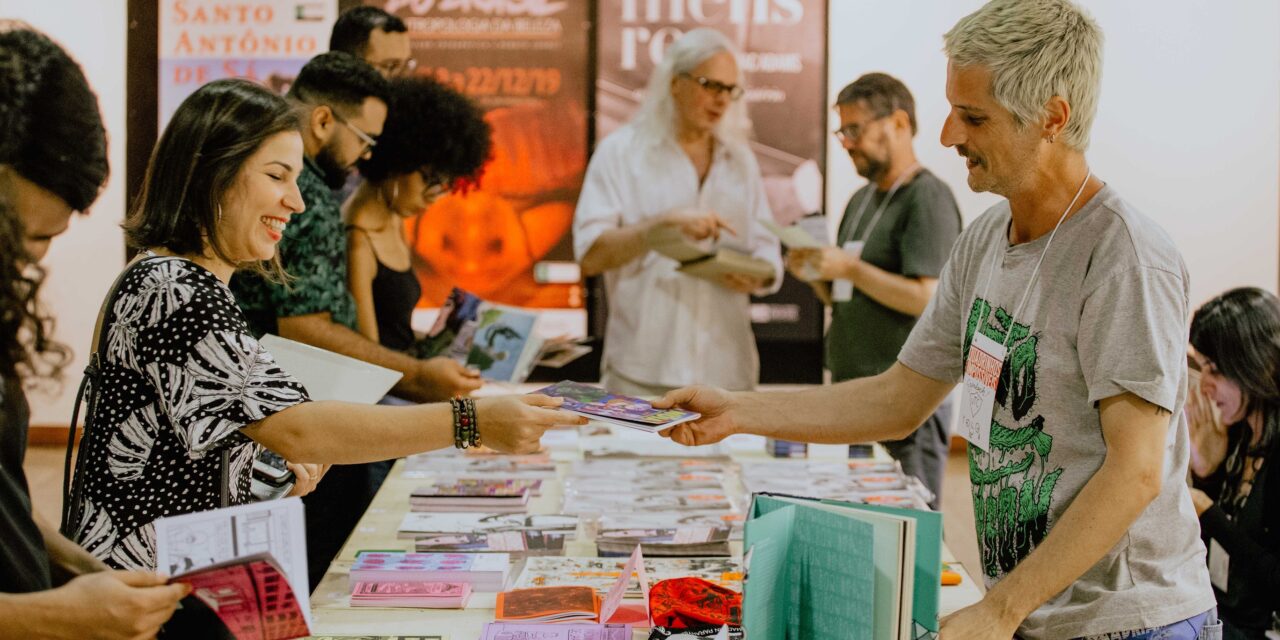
(368, 141)
(716, 87)
(396, 67)
(853, 131)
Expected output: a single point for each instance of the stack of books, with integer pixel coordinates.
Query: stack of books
(419, 525)
(488, 496)
(785, 448)
(447, 463)
(682, 542)
(420, 595)
(862, 481)
(483, 571)
(516, 544)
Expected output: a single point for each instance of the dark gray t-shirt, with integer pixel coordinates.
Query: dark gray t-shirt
(913, 238)
(1106, 316)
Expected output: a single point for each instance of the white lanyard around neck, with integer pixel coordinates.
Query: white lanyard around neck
(875, 217)
(1035, 272)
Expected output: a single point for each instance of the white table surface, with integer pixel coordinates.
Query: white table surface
(376, 530)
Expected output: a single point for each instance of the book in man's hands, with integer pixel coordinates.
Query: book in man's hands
(701, 259)
(610, 408)
(251, 596)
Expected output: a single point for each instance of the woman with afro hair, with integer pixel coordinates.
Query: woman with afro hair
(434, 141)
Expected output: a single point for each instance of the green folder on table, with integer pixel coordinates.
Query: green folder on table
(831, 569)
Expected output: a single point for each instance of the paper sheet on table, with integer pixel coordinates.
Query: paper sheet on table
(194, 540)
(613, 600)
(328, 375)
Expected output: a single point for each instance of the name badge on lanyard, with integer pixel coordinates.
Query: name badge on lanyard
(842, 290)
(978, 401)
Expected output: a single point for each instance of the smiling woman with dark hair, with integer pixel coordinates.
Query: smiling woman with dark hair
(186, 395)
(1236, 337)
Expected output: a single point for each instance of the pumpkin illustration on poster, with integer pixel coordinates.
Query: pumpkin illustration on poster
(487, 240)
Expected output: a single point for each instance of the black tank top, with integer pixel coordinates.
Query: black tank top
(395, 294)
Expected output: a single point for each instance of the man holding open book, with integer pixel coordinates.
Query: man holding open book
(1062, 310)
(681, 171)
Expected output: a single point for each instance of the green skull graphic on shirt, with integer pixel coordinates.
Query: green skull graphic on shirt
(1012, 482)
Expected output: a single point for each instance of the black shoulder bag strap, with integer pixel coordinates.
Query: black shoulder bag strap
(88, 385)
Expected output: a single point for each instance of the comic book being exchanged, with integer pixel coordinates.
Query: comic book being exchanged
(624, 411)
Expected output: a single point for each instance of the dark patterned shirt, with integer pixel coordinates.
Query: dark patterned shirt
(314, 253)
(181, 376)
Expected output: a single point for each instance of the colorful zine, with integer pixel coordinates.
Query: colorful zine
(418, 595)
(505, 346)
(251, 596)
(623, 411)
(601, 573)
(552, 631)
(453, 330)
(548, 604)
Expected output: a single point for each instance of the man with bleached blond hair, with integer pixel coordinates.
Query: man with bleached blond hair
(1063, 312)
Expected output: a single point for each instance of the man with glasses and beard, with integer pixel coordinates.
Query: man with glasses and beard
(895, 236)
(343, 102)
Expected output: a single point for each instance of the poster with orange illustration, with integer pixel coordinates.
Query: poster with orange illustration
(526, 64)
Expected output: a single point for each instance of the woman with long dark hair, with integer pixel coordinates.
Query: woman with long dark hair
(52, 163)
(1236, 338)
(188, 395)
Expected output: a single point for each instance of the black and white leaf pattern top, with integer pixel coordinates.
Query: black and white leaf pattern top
(182, 375)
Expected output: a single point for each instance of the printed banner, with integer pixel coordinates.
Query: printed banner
(527, 64)
(266, 40)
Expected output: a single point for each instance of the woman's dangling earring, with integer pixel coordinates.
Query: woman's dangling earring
(219, 214)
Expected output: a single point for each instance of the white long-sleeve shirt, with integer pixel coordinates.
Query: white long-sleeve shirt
(666, 328)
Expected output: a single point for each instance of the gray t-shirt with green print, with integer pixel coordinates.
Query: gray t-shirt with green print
(1106, 316)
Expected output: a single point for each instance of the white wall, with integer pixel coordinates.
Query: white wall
(84, 261)
(1188, 126)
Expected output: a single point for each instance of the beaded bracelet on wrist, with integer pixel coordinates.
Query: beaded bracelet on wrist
(466, 433)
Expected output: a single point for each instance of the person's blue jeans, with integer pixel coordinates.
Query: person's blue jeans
(1202, 627)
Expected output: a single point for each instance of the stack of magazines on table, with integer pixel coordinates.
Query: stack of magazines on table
(863, 481)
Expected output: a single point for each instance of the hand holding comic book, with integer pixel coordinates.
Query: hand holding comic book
(125, 604)
(717, 420)
(514, 424)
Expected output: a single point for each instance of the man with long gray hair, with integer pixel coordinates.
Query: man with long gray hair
(1063, 310)
(682, 163)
